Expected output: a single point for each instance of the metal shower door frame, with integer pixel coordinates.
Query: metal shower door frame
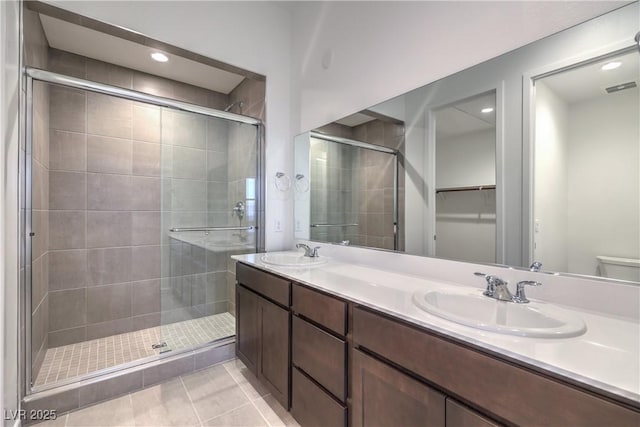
(32, 75)
(380, 149)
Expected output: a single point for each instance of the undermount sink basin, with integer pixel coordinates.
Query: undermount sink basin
(292, 259)
(534, 320)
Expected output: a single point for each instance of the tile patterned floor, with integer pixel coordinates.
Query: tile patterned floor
(79, 359)
(221, 395)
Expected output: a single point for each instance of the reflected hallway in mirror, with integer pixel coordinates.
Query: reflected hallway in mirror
(587, 169)
(465, 166)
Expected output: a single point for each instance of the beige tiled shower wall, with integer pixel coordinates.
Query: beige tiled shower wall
(106, 247)
(376, 175)
(35, 55)
(356, 185)
(334, 190)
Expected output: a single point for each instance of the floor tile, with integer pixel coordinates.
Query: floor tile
(244, 416)
(212, 396)
(213, 392)
(58, 422)
(274, 412)
(116, 412)
(245, 378)
(165, 404)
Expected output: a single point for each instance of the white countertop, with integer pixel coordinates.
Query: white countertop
(606, 357)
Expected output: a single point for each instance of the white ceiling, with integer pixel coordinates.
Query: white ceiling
(590, 81)
(94, 44)
(466, 116)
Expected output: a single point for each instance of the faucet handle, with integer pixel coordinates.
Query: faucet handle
(492, 283)
(308, 252)
(535, 266)
(520, 297)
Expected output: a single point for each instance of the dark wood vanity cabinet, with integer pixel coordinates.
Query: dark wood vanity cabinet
(504, 391)
(263, 328)
(384, 396)
(319, 359)
(335, 363)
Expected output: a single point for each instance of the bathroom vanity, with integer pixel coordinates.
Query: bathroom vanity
(344, 344)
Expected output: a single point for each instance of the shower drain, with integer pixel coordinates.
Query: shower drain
(159, 345)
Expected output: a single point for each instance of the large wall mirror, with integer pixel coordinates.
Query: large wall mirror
(530, 156)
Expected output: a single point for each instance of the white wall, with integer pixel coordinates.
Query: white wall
(382, 49)
(251, 35)
(9, 131)
(466, 226)
(551, 180)
(466, 160)
(466, 221)
(302, 198)
(604, 180)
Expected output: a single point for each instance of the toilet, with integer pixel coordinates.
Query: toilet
(619, 268)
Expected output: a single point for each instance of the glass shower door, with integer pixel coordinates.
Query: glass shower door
(353, 194)
(209, 212)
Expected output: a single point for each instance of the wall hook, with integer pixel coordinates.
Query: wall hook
(282, 181)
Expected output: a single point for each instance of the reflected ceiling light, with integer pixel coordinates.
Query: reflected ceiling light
(611, 65)
(159, 56)
(486, 110)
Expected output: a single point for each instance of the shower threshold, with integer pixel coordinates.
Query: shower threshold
(78, 360)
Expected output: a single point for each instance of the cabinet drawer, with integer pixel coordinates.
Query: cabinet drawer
(321, 355)
(485, 380)
(460, 416)
(272, 287)
(311, 406)
(327, 311)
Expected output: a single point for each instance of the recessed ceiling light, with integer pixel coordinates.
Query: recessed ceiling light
(611, 65)
(486, 110)
(159, 56)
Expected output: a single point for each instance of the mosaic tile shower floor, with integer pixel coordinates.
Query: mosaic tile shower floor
(82, 358)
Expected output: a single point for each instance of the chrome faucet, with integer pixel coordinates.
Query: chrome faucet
(536, 266)
(311, 253)
(499, 289)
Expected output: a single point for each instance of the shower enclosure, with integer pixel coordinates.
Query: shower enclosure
(133, 205)
(353, 192)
